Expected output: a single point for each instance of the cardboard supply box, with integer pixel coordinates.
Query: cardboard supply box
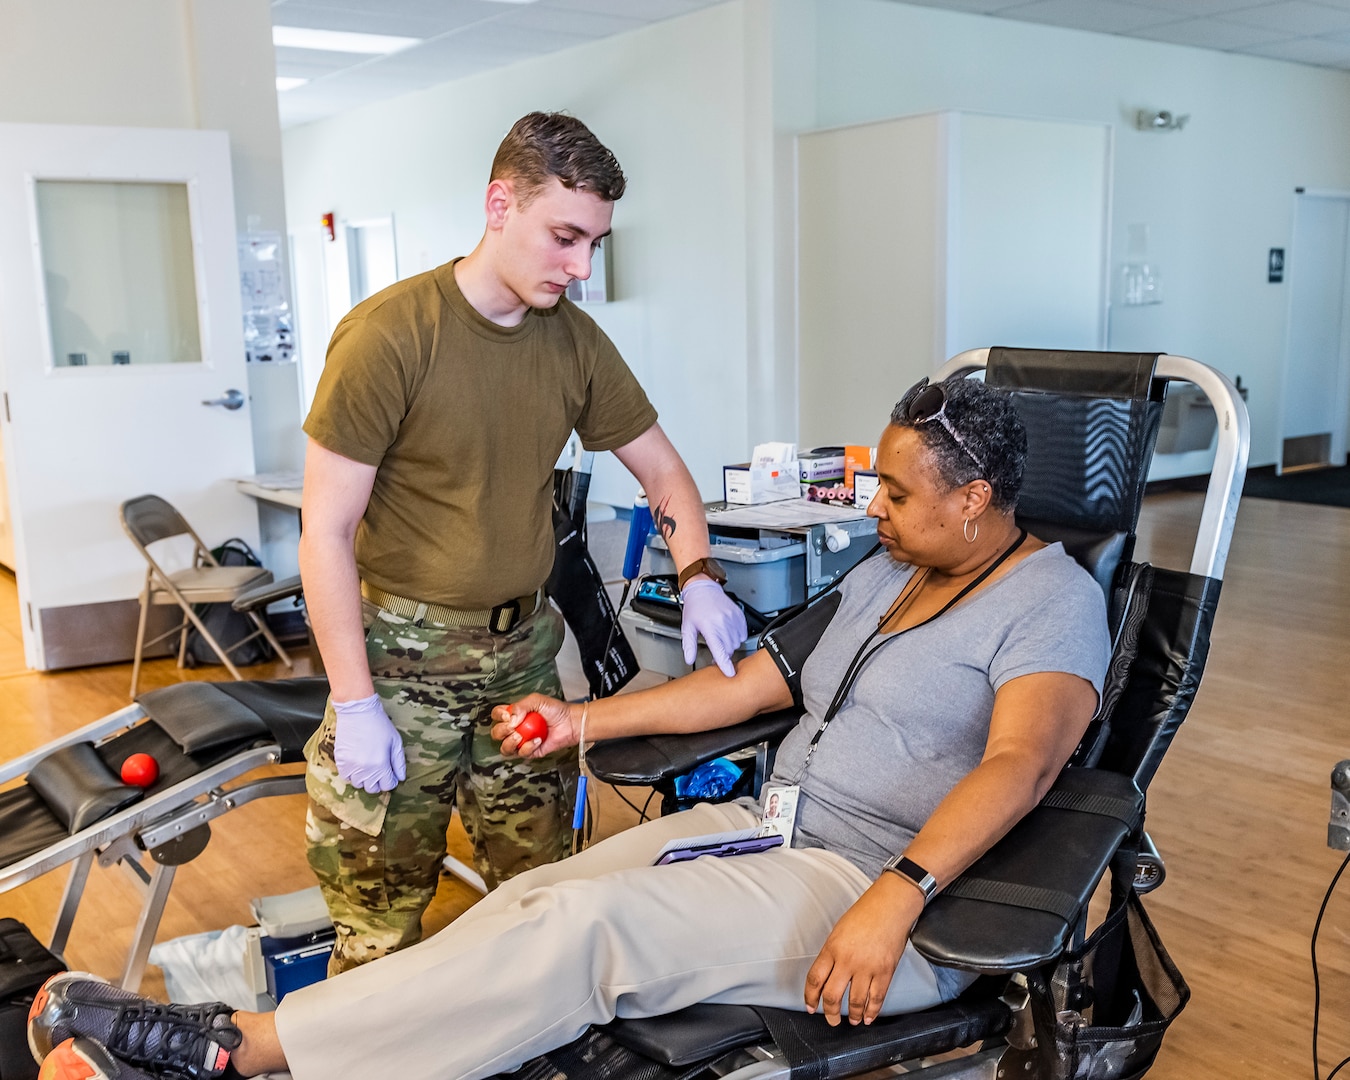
(856, 457)
(821, 464)
(865, 485)
(748, 484)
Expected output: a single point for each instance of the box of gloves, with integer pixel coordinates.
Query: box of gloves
(770, 475)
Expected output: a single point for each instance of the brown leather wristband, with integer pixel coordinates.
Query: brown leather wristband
(705, 565)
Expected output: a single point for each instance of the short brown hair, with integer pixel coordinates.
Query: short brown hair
(542, 145)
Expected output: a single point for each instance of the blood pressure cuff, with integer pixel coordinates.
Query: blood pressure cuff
(790, 644)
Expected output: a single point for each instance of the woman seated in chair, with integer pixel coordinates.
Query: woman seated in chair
(948, 681)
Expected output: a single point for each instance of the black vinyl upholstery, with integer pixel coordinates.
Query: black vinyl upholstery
(27, 824)
(197, 716)
(995, 918)
(702, 1032)
(217, 720)
(269, 592)
(1173, 647)
(79, 788)
(654, 760)
(291, 708)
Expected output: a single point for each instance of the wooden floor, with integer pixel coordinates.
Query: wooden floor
(1239, 808)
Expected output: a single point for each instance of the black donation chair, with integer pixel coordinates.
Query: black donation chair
(1053, 1001)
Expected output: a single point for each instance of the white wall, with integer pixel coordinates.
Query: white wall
(180, 64)
(1216, 196)
(690, 116)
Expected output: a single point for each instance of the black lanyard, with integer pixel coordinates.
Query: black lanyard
(859, 659)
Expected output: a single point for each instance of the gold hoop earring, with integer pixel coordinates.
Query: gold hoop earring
(965, 531)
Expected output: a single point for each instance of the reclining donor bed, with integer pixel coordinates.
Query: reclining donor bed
(1014, 916)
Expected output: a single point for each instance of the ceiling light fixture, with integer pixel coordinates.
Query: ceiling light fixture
(289, 82)
(303, 37)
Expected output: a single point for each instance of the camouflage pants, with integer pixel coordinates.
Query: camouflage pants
(378, 857)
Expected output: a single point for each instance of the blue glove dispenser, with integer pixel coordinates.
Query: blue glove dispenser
(639, 528)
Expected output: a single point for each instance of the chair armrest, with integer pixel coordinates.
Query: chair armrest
(653, 759)
(1016, 908)
(267, 593)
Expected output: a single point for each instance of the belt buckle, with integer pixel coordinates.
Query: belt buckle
(504, 616)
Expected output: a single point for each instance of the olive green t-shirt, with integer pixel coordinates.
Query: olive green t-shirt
(465, 420)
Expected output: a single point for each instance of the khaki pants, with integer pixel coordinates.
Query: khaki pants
(601, 934)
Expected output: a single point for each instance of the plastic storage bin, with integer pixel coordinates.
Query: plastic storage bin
(769, 579)
(658, 647)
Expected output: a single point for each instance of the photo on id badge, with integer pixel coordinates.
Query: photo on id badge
(780, 811)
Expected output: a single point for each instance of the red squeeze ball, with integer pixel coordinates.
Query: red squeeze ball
(532, 726)
(140, 770)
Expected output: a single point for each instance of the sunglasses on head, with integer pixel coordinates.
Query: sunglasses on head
(930, 404)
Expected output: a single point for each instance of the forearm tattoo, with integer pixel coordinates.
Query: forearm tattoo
(665, 524)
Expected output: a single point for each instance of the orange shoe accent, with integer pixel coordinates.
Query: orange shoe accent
(39, 1001)
(67, 1063)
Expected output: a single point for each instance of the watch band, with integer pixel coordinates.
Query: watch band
(915, 874)
(705, 565)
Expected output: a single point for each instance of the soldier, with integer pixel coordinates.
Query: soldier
(444, 403)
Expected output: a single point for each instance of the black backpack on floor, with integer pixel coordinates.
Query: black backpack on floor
(24, 966)
(226, 624)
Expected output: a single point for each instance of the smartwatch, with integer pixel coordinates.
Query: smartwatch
(705, 565)
(915, 874)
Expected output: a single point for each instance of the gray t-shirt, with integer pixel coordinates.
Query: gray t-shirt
(917, 719)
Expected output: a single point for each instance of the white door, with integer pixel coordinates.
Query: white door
(119, 319)
(1315, 385)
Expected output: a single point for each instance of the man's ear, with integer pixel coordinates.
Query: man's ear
(500, 201)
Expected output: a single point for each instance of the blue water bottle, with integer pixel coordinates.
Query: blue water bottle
(639, 528)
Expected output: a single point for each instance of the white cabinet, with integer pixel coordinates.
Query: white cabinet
(926, 235)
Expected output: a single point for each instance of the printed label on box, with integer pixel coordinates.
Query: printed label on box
(817, 466)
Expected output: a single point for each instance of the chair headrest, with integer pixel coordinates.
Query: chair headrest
(1099, 553)
(1092, 422)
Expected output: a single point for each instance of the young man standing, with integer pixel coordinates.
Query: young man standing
(445, 401)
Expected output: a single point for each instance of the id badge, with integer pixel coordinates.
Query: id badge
(780, 811)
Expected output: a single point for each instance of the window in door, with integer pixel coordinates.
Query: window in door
(118, 273)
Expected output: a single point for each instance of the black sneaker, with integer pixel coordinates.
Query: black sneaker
(190, 1042)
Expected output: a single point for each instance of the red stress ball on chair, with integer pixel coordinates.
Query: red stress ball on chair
(140, 770)
(532, 726)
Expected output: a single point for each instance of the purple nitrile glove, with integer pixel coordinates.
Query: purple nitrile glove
(710, 612)
(367, 748)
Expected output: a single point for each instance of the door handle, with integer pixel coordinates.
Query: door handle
(231, 399)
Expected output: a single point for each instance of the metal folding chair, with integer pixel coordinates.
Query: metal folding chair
(149, 519)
